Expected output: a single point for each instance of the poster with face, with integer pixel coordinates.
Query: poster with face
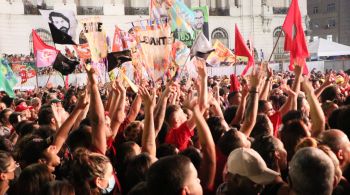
(199, 24)
(63, 20)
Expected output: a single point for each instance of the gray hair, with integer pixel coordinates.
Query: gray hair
(311, 171)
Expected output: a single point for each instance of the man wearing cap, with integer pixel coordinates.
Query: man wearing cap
(24, 110)
(247, 173)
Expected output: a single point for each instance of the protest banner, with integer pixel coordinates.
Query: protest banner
(96, 37)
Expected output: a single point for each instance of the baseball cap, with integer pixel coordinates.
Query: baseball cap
(55, 100)
(248, 163)
(21, 107)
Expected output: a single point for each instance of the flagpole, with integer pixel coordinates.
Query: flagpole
(49, 77)
(274, 47)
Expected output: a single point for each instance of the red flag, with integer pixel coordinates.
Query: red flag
(45, 54)
(83, 51)
(295, 37)
(119, 44)
(241, 49)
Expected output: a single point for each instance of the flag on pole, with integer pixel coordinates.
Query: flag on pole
(116, 59)
(295, 38)
(83, 51)
(64, 65)
(119, 44)
(44, 54)
(7, 78)
(241, 49)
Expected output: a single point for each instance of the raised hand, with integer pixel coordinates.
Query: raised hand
(148, 98)
(83, 100)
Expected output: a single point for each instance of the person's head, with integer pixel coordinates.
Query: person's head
(230, 114)
(25, 127)
(265, 107)
(198, 20)
(32, 179)
(58, 188)
(272, 151)
(217, 126)
(126, 151)
(165, 149)
(7, 167)
(311, 171)
(35, 149)
(262, 127)
(339, 144)
(173, 175)
(303, 105)
(92, 172)
(234, 98)
(5, 115)
(175, 116)
(231, 140)
(24, 110)
(139, 189)
(45, 116)
(291, 134)
(194, 155)
(60, 21)
(330, 94)
(2, 106)
(136, 170)
(80, 138)
(247, 172)
(133, 132)
(36, 103)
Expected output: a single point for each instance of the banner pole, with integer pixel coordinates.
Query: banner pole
(274, 47)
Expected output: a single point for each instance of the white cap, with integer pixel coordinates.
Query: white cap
(248, 163)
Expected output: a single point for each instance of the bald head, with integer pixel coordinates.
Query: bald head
(335, 139)
(311, 172)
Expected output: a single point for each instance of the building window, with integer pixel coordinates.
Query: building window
(331, 7)
(221, 35)
(45, 35)
(279, 53)
(331, 23)
(315, 10)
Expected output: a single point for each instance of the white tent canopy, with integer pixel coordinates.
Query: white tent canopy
(323, 47)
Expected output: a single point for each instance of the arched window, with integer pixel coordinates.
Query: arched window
(221, 35)
(45, 35)
(279, 53)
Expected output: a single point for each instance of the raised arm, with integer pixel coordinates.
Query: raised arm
(317, 116)
(96, 114)
(135, 108)
(328, 82)
(67, 125)
(252, 104)
(119, 110)
(148, 134)
(161, 107)
(266, 86)
(236, 121)
(208, 166)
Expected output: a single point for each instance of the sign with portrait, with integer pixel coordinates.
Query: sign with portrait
(200, 24)
(63, 20)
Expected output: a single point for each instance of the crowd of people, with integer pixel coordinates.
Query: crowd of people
(264, 133)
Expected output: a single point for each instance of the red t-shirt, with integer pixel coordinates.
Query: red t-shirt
(180, 137)
(221, 160)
